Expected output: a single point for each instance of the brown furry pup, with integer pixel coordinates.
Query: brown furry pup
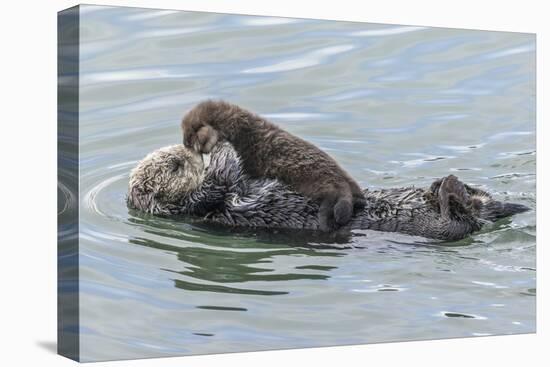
(268, 151)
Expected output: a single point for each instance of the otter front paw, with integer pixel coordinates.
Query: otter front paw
(199, 137)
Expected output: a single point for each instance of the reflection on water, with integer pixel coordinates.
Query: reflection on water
(395, 105)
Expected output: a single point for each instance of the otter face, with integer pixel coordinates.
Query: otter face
(163, 179)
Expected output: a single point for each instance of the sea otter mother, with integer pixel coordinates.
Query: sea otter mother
(175, 180)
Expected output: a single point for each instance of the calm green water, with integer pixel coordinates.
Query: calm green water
(394, 105)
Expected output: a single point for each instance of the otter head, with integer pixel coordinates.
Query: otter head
(164, 178)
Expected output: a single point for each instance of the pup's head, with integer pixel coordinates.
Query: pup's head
(164, 178)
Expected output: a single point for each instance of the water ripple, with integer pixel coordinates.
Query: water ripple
(92, 198)
(461, 315)
(132, 75)
(511, 51)
(148, 14)
(69, 198)
(267, 21)
(386, 31)
(311, 58)
(168, 32)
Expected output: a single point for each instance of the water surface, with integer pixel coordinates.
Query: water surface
(395, 105)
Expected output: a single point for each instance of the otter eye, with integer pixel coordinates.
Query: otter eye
(176, 165)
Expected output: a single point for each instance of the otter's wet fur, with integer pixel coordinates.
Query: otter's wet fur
(268, 151)
(175, 181)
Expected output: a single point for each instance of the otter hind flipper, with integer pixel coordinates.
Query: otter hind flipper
(452, 195)
(490, 209)
(509, 209)
(494, 210)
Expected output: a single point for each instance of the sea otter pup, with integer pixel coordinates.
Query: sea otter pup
(268, 151)
(175, 181)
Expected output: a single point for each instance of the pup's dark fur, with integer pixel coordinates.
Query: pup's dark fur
(268, 151)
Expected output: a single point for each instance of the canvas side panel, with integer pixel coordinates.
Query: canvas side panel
(68, 33)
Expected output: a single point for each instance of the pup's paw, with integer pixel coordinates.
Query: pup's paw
(207, 137)
(199, 137)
